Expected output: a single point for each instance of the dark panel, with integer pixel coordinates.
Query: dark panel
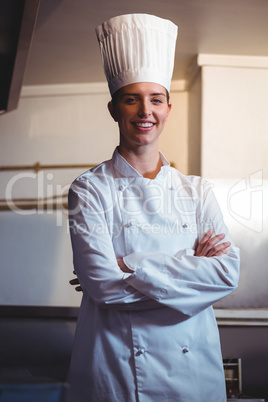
(17, 22)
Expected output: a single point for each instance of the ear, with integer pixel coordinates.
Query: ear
(112, 110)
(169, 109)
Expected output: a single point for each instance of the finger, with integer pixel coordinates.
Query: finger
(208, 243)
(203, 241)
(211, 243)
(126, 269)
(74, 281)
(219, 249)
(206, 237)
(123, 266)
(225, 251)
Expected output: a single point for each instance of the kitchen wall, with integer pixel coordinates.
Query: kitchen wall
(234, 116)
(218, 127)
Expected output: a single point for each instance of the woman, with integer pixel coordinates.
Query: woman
(148, 244)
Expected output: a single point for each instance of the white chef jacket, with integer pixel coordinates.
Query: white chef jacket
(149, 336)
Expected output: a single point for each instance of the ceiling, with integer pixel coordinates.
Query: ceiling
(65, 49)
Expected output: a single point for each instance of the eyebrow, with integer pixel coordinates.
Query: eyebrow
(137, 94)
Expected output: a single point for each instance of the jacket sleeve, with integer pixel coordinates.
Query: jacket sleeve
(185, 282)
(94, 258)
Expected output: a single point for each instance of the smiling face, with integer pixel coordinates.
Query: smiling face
(141, 110)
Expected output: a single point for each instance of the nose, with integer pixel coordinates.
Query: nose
(144, 109)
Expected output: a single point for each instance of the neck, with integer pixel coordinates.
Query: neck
(147, 163)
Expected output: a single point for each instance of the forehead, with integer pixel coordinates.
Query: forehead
(143, 88)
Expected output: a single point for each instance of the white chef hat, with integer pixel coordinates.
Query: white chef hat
(137, 48)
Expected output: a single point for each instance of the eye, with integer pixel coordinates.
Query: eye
(157, 101)
(130, 100)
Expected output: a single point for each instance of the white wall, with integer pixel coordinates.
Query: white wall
(234, 116)
(174, 140)
(194, 126)
(234, 157)
(61, 124)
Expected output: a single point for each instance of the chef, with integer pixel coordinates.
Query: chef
(150, 247)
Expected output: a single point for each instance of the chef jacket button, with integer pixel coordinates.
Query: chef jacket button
(140, 351)
(185, 349)
(130, 224)
(121, 188)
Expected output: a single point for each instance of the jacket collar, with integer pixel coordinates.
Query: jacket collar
(124, 170)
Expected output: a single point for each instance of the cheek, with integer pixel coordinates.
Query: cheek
(163, 116)
(124, 114)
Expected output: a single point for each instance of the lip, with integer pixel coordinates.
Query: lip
(143, 125)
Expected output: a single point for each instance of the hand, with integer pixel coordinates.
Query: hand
(74, 282)
(123, 266)
(209, 245)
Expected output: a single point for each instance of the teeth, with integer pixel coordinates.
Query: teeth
(144, 125)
